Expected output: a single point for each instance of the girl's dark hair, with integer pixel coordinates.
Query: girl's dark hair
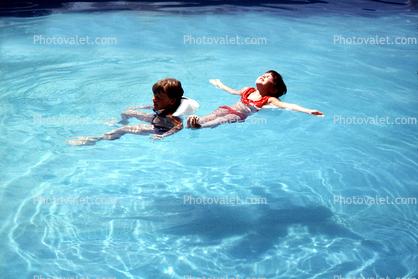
(280, 86)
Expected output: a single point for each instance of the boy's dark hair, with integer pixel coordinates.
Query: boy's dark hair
(171, 87)
(280, 86)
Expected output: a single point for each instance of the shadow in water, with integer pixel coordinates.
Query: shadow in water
(259, 226)
(35, 8)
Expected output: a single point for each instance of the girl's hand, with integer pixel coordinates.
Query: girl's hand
(220, 85)
(316, 113)
(216, 82)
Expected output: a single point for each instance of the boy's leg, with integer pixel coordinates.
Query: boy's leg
(115, 134)
(83, 141)
(135, 129)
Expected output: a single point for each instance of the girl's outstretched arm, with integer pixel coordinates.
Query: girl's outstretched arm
(219, 84)
(276, 102)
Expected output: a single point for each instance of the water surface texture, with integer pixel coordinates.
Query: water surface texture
(333, 197)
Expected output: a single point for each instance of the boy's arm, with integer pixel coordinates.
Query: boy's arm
(219, 84)
(276, 102)
(129, 113)
(178, 125)
(143, 107)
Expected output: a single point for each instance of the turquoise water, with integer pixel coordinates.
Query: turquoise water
(298, 163)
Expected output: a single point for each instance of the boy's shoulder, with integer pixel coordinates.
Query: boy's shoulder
(187, 107)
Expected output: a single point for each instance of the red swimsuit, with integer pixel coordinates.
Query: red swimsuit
(231, 111)
(246, 101)
(259, 103)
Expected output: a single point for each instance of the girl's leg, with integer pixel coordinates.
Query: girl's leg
(194, 122)
(229, 118)
(210, 117)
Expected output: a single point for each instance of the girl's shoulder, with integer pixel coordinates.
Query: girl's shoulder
(245, 90)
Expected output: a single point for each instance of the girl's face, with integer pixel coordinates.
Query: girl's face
(162, 101)
(266, 83)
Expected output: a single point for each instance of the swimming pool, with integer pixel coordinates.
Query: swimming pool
(331, 197)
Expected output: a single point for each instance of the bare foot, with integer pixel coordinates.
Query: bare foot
(112, 124)
(192, 122)
(115, 134)
(83, 141)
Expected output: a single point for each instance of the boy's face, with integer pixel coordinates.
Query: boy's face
(162, 101)
(266, 83)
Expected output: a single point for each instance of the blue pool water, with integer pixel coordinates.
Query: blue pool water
(300, 164)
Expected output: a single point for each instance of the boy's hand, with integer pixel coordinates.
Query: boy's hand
(316, 113)
(129, 113)
(157, 137)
